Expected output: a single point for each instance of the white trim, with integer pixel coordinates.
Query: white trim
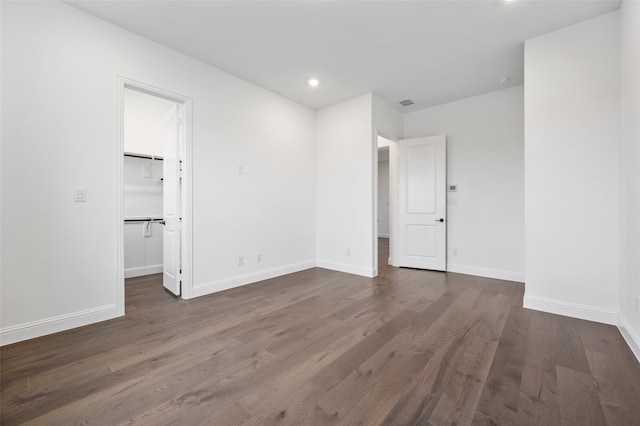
(142, 270)
(119, 285)
(383, 235)
(574, 310)
(374, 192)
(499, 274)
(349, 269)
(630, 336)
(187, 203)
(30, 330)
(227, 283)
(187, 185)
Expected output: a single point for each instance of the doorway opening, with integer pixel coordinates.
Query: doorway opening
(154, 188)
(413, 186)
(384, 231)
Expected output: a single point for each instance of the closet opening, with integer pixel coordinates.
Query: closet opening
(154, 191)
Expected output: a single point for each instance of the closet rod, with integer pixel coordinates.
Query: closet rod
(147, 219)
(149, 157)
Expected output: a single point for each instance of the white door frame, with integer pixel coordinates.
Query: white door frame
(187, 223)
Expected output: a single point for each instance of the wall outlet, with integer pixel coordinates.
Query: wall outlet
(241, 260)
(348, 252)
(259, 258)
(454, 252)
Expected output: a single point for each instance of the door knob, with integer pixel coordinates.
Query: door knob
(440, 220)
(162, 222)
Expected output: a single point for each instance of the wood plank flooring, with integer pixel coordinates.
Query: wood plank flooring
(320, 347)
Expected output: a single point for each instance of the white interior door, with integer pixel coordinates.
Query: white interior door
(171, 201)
(422, 236)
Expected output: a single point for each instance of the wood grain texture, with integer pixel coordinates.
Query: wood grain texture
(321, 347)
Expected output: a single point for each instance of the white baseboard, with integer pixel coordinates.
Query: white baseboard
(142, 270)
(30, 330)
(498, 274)
(630, 335)
(574, 310)
(349, 269)
(227, 283)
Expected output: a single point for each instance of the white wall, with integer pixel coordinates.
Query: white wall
(142, 254)
(387, 120)
(383, 193)
(142, 198)
(485, 159)
(59, 68)
(144, 123)
(630, 170)
(572, 177)
(344, 188)
(142, 195)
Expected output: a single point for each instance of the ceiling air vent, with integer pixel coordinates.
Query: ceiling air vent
(406, 102)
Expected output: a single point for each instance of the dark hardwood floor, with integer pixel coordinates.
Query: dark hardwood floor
(319, 347)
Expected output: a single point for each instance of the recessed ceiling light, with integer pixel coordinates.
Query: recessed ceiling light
(313, 82)
(504, 80)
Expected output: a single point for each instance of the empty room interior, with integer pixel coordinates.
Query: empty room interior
(320, 212)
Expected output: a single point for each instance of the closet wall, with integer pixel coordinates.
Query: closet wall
(142, 199)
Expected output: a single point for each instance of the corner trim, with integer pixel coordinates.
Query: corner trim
(240, 280)
(30, 330)
(574, 310)
(499, 274)
(629, 335)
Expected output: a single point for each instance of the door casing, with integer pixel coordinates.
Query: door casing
(186, 239)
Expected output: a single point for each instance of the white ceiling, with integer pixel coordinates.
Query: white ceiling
(430, 51)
